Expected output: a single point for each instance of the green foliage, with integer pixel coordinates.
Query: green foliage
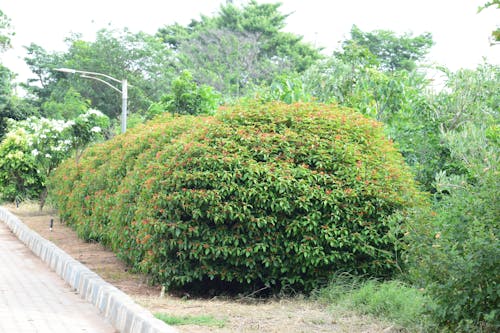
(392, 301)
(227, 60)
(33, 148)
(6, 76)
(239, 47)
(5, 96)
(391, 52)
(466, 114)
(5, 32)
(401, 99)
(266, 22)
(41, 62)
(385, 96)
(19, 178)
(455, 254)
(491, 3)
(11, 106)
(209, 321)
(454, 249)
(188, 97)
(142, 59)
(416, 118)
(86, 128)
(284, 88)
(269, 195)
(469, 96)
(71, 106)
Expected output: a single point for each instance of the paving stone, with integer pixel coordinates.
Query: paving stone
(116, 307)
(35, 299)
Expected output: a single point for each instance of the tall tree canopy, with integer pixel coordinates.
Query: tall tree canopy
(239, 46)
(390, 51)
(5, 31)
(140, 58)
(5, 97)
(11, 107)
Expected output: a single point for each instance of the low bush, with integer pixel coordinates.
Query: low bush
(259, 196)
(19, 178)
(455, 256)
(34, 147)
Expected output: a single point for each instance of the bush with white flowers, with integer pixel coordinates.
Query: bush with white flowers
(34, 147)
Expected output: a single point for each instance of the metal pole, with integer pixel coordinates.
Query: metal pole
(124, 105)
(123, 91)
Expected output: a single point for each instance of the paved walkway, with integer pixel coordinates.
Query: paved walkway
(34, 299)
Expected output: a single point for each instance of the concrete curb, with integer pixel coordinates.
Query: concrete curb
(116, 306)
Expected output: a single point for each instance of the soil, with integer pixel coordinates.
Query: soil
(290, 315)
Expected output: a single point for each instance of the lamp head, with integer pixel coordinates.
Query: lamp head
(65, 70)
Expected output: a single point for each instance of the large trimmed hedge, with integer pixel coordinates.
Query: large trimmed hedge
(260, 195)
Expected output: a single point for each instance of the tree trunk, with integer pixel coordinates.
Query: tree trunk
(43, 198)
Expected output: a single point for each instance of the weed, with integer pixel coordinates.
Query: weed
(390, 300)
(191, 320)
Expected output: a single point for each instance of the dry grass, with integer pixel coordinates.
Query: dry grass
(276, 315)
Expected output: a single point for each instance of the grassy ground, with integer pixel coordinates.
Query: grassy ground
(297, 314)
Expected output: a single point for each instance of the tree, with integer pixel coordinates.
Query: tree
(41, 62)
(5, 32)
(187, 97)
(71, 105)
(5, 74)
(19, 178)
(392, 52)
(5, 87)
(6, 111)
(140, 58)
(11, 106)
(175, 34)
(33, 148)
(265, 21)
(455, 249)
(465, 112)
(239, 47)
(227, 61)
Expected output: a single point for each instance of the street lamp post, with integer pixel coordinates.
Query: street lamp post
(97, 76)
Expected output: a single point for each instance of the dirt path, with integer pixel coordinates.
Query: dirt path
(278, 315)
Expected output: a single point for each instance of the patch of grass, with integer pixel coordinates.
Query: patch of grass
(191, 320)
(393, 301)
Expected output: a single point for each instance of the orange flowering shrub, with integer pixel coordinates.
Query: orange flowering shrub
(272, 195)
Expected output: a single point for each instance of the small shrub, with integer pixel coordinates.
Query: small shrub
(19, 178)
(455, 256)
(187, 97)
(33, 148)
(269, 195)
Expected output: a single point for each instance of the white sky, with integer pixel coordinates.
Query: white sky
(461, 35)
